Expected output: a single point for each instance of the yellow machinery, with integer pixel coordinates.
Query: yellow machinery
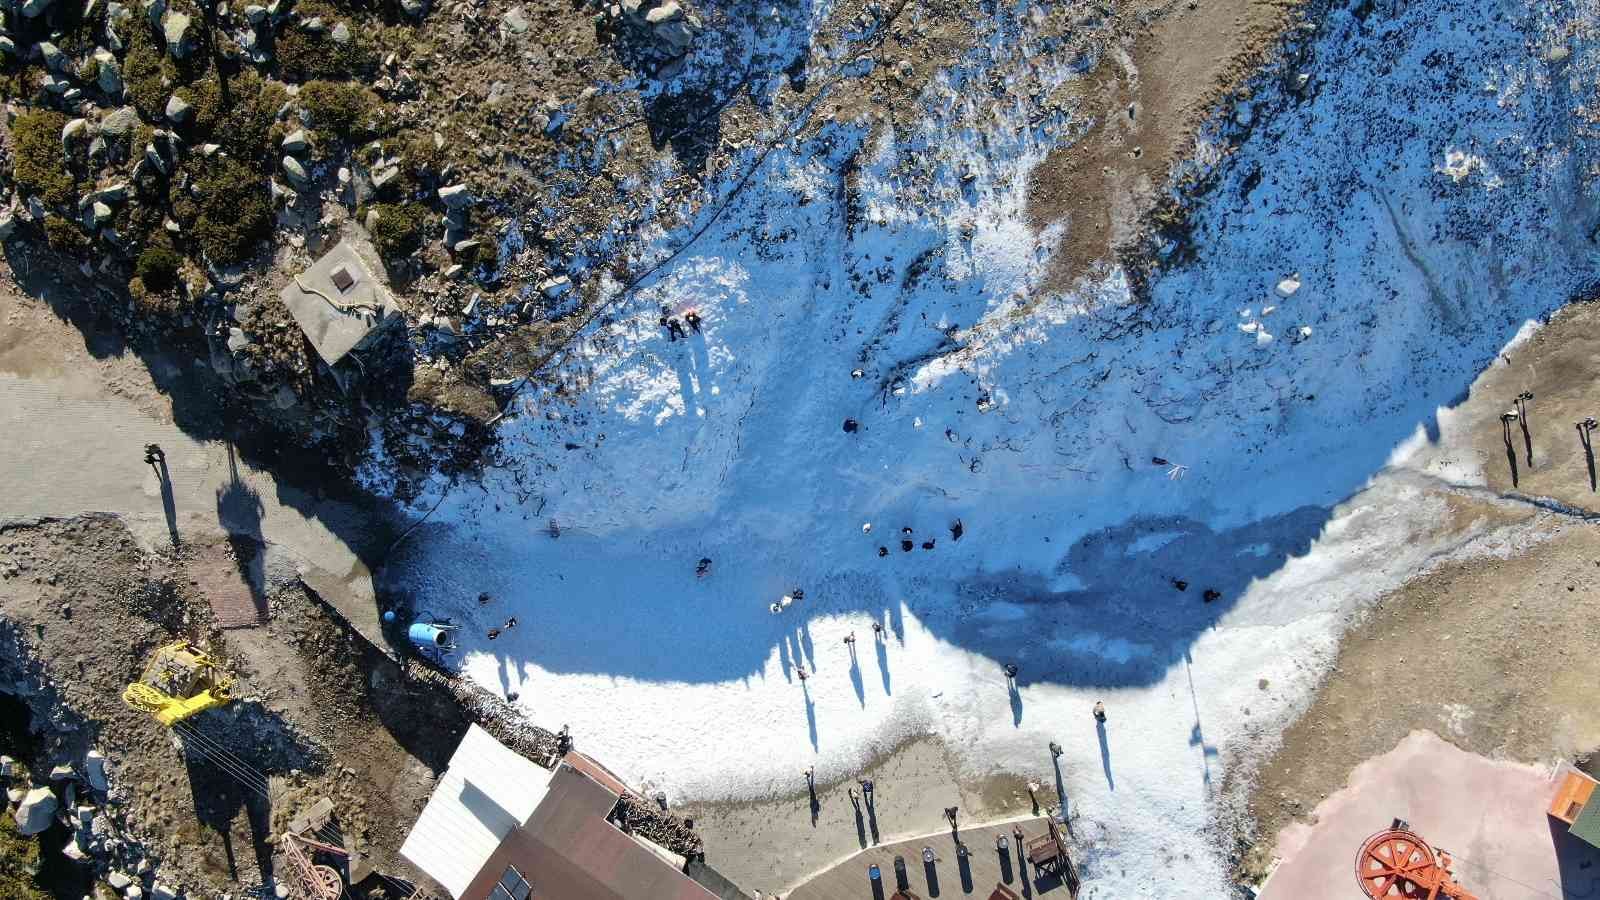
(179, 681)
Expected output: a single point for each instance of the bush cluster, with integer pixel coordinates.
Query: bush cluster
(230, 210)
(398, 230)
(40, 165)
(343, 108)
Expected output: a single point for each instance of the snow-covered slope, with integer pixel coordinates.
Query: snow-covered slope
(1429, 195)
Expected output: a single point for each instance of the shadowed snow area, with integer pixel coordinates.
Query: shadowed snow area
(1427, 195)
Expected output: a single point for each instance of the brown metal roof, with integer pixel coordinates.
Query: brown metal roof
(568, 851)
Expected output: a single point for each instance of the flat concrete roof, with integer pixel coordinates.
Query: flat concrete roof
(338, 302)
(1491, 815)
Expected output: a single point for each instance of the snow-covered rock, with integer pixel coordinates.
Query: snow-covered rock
(36, 811)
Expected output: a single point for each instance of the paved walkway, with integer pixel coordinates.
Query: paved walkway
(985, 868)
(69, 452)
(1490, 815)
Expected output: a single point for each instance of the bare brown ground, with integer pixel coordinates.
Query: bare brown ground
(1146, 99)
(1495, 654)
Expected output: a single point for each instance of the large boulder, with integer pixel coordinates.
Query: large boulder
(109, 74)
(34, 8)
(120, 122)
(36, 811)
(175, 25)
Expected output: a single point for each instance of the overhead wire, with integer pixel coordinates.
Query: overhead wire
(248, 775)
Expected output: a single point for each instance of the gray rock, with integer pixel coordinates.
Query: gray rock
(666, 12)
(515, 20)
(113, 194)
(676, 34)
(340, 33)
(466, 245)
(53, 57)
(8, 766)
(295, 171)
(121, 122)
(632, 7)
(178, 109)
(94, 762)
(210, 149)
(280, 194)
(175, 25)
(555, 287)
(33, 8)
(455, 196)
(8, 223)
(384, 177)
(416, 9)
(56, 85)
(36, 811)
(314, 25)
(109, 77)
(99, 213)
(63, 772)
(153, 156)
(97, 148)
(296, 142)
(134, 892)
(238, 340)
(8, 47)
(255, 13)
(118, 880)
(73, 131)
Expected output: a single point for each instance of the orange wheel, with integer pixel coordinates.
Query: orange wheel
(1396, 863)
(329, 884)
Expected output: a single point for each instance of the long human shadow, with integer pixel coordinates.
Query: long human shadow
(1016, 702)
(930, 874)
(1105, 754)
(861, 822)
(811, 713)
(1586, 440)
(855, 678)
(882, 649)
(169, 503)
(872, 817)
(1511, 451)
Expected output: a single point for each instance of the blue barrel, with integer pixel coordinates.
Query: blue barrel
(424, 634)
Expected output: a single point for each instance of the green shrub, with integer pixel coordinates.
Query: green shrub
(65, 236)
(147, 71)
(398, 231)
(303, 56)
(343, 108)
(246, 125)
(19, 856)
(41, 167)
(158, 268)
(231, 213)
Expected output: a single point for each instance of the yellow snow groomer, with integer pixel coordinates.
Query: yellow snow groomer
(179, 682)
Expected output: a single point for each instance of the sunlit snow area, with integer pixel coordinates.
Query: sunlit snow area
(1368, 247)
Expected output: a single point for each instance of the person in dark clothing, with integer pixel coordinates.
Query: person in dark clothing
(851, 426)
(673, 326)
(1055, 750)
(877, 630)
(483, 599)
(1011, 671)
(153, 456)
(494, 633)
(703, 567)
(1212, 594)
(693, 318)
(1180, 584)
(510, 623)
(927, 544)
(1099, 711)
(883, 551)
(957, 530)
(906, 545)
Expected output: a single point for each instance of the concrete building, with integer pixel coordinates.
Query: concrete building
(339, 302)
(1575, 804)
(499, 827)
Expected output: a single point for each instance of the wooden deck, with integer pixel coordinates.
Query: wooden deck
(983, 870)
